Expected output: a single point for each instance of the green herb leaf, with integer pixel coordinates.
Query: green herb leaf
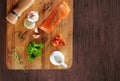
(31, 57)
(34, 50)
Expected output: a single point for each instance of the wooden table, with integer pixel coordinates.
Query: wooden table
(96, 45)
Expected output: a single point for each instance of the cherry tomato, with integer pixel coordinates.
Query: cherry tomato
(59, 41)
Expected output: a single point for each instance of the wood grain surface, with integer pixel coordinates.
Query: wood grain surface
(20, 43)
(96, 45)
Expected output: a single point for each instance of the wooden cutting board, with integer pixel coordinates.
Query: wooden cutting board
(18, 37)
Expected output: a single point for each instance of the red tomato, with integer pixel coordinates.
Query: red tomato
(59, 41)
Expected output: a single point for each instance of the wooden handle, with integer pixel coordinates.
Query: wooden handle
(21, 7)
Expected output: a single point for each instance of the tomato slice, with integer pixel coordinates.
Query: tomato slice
(62, 42)
(59, 41)
(55, 43)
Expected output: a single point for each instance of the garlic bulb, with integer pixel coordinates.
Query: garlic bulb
(33, 16)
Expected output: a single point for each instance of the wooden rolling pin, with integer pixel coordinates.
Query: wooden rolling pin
(21, 7)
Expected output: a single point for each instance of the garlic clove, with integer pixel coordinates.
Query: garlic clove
(36, 36)
(36, 30)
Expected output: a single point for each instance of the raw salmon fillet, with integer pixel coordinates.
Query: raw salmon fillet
(55, 17)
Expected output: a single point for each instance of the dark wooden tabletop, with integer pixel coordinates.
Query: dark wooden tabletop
(96, 45)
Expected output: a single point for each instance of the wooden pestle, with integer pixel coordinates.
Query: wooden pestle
(21, 7)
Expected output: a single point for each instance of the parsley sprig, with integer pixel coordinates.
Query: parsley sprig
(34, 50)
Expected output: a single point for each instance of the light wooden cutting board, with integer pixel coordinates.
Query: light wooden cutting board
(19, 43)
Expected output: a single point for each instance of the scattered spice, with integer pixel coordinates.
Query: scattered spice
(46, 7)
(21, 35)
(40, 3)
(44, 39)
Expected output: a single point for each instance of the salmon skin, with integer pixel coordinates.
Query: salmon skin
(55, 17)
